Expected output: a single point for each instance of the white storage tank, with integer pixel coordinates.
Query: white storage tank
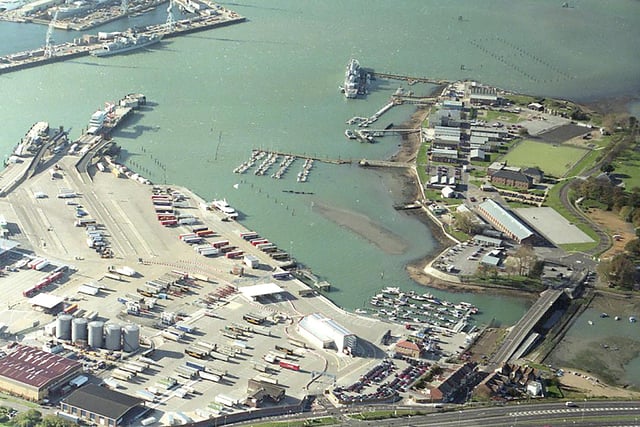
(79, 330)
(95, 339)
(130, 338)
(63, 327)
(112, 336)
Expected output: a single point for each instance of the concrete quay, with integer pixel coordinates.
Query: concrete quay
(65, 51)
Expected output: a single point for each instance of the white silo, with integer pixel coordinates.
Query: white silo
(63, 327)
(112, 336)
(130, 338)
(79, 330)
(95, 339)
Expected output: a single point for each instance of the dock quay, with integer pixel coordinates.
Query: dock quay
(411, 80)
(83, 47)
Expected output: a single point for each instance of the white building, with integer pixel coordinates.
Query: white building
(323, 332)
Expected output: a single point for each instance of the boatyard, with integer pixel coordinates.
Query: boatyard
(205, 307)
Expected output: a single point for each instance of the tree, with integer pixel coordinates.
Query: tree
(536, 271)
(28, 418)
(54, 421)
(525, 258)
(465, 222)
(620, 271)
(607, 168)
(633, 247)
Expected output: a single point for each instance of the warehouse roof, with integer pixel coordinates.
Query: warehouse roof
(261, 290)
(47, 301)
(498, 213)
(34, 367)
(103, 401)
(323, 327)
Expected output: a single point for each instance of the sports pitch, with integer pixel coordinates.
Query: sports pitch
(553, 159)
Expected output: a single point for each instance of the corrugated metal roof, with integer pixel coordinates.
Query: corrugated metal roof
(323, 327)
(507, 220)
(34, 367)
(100, 400)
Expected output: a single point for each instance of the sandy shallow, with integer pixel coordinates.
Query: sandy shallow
(365, 227)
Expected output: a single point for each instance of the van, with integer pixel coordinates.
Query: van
(570, 404)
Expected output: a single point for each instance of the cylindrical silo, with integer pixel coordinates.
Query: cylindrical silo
(95, 334)
(130, 338)
(79, 330)
(63, 327)
(112, 336)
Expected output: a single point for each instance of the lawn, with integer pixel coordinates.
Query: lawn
(554, 160)
(628, 168)
(492, 116)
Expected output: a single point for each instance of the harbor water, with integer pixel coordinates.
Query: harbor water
(272, 82)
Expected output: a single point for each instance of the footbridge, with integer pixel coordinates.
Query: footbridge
(519, 334)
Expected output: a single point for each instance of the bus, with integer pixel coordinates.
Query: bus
(254, 319)
(196, 352)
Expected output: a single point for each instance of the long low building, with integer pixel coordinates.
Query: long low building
(33, 374)
(323, 332)
(100, 406)
(504, 221)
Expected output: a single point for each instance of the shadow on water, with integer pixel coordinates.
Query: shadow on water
(222, 39)
(252, 5)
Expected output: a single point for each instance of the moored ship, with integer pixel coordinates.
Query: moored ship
(128, 43)
(352, 79)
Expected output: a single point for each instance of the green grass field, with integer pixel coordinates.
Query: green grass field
(492, 116)
(628, 166)
(554, 160)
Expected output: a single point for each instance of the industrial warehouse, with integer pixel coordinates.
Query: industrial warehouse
(34, 374)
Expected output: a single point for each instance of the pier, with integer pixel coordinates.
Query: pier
(411, 80)
(312, 157)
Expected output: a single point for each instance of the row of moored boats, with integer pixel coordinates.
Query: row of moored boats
(267, 160)
(411, 307)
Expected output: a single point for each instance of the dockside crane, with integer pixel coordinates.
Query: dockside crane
(49, 50)
(171, 22)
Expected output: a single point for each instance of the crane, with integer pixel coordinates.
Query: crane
(49, 50)
(170, 19)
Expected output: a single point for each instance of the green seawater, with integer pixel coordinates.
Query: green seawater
(272, 83)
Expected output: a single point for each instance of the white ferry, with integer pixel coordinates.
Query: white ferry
(223, 206)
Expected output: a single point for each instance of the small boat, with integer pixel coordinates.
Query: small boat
(632, 319)
(350, 134)
(617, 317)
(604, 315)
(590, 322)
(361, 311)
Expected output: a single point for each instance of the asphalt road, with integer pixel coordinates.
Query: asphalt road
(586, 413)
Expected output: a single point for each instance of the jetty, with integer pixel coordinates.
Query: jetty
(411, 80)
(312, 157)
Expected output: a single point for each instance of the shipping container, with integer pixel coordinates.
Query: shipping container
(249, 235)
(289, 365)
(209, 376)
(226, 400)
(220, 243)
(195, 365)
